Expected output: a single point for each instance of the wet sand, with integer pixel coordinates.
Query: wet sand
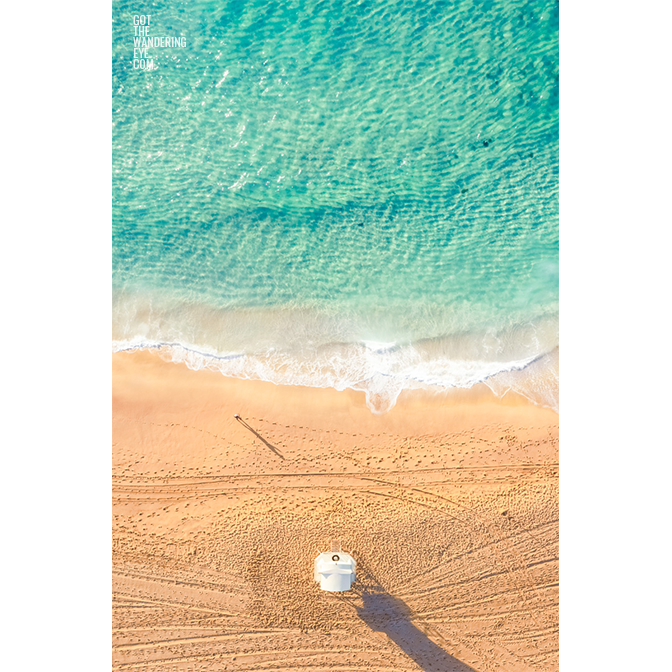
(449, 503)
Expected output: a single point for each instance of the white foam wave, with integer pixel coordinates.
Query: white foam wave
(380, 370)
(538, 382)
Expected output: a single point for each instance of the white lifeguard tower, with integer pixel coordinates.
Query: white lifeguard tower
(335, 570)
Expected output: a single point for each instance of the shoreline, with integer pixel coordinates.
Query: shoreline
(535, 380)
(448, 502)
(468, 407)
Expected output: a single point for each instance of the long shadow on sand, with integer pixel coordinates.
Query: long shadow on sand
(384, 613)
(259, 436)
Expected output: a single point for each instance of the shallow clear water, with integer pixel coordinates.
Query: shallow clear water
(352, 194)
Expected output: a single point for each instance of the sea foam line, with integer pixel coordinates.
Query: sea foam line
(380, 370)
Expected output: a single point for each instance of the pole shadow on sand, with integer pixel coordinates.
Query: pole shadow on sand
(390, 615)
(259, 436)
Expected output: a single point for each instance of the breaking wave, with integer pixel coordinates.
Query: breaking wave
(381, 371)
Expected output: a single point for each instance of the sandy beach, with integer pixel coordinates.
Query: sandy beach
(449, 503)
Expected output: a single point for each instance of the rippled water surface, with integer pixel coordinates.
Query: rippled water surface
(354, 194)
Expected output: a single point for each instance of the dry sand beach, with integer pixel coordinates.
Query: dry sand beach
(448, 503)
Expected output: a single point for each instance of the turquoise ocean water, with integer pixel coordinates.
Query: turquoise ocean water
(340, 193)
